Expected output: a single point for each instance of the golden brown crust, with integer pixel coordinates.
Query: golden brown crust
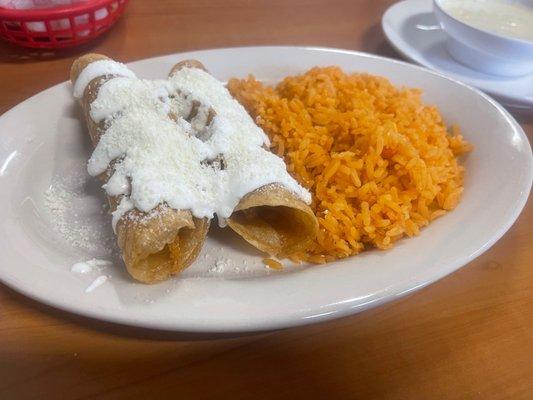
(274, 220)
(160, 244)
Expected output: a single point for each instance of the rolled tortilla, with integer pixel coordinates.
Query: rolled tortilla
(270, 218)
(275, 221)
(157, 244)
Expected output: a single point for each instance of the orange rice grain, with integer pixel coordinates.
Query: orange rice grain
(379, 163)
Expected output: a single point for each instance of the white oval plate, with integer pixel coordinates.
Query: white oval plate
(413, 30)
(42, 142)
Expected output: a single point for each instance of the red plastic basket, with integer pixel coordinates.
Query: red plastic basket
(59, 27)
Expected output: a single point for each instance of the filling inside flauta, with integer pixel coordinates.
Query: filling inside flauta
(183, 141)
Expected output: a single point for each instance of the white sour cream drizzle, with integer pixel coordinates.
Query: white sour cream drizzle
(96, 69)
(97, 282)
(165, 159)
(85, 267)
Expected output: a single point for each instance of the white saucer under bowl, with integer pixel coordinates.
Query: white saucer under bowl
(411, 28)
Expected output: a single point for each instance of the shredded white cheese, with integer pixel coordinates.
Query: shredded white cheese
(165, 155)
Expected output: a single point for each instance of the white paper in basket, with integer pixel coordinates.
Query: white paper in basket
(59, 24)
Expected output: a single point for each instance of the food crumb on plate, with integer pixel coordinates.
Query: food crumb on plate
(224, 266)
(220, 266)
(273, 264)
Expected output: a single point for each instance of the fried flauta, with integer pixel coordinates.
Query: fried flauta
(155, 244)
(271, 218)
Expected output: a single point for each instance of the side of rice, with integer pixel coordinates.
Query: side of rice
(379, 163)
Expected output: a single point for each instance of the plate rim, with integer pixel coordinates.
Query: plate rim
(286, 320)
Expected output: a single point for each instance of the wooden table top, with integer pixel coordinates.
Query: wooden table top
(468, 336)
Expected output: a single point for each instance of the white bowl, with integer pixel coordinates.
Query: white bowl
(483, 50)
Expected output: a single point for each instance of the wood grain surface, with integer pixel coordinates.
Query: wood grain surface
(468, 336)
